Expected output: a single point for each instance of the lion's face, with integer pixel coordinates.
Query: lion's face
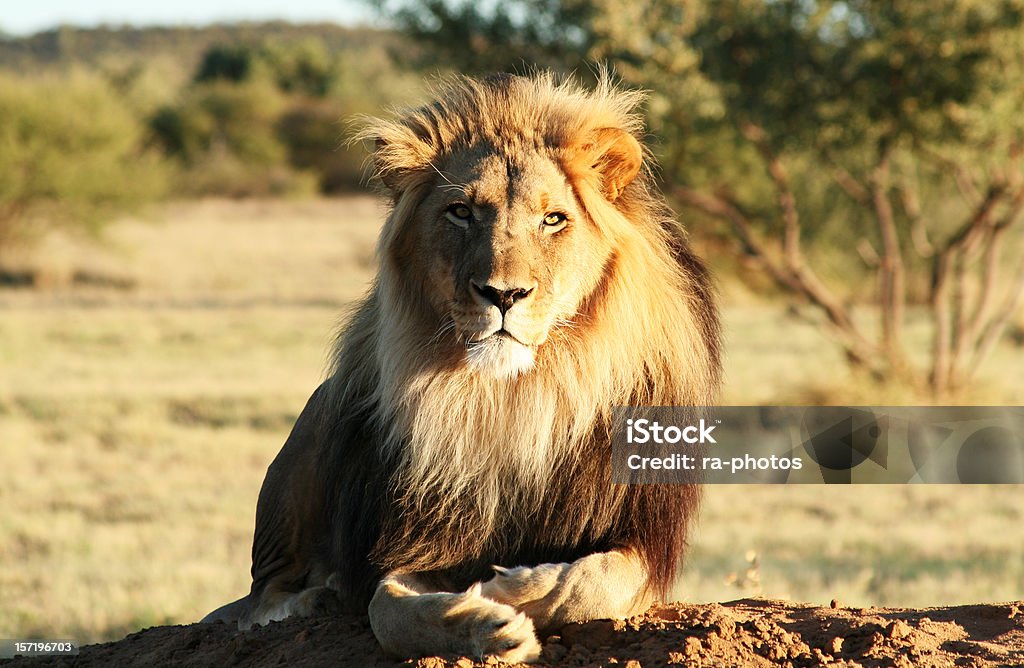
(497, 189)
(506, 253)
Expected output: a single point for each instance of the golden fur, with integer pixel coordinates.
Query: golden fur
(451, 436)
(462, 436)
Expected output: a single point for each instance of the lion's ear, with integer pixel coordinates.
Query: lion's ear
(400, 156)
(614, 154)
(387, 172)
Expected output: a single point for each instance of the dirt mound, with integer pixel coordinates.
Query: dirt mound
(741, 633)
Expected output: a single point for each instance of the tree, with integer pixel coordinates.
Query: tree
(226, 62)
(70, 154)
(261, 119)
(304, 68)
(803, 121)
(888, 99)
(224, 135)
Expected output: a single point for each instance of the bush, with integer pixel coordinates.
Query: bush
(70, 154)
(224, 135)
(226, 62)
(313, 131)
(256, 121)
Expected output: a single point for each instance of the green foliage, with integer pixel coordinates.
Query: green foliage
(223, 133)
(221, 116)
(70, 154)
(304, 68)
(237, 110)
(842, 74)
(266, 119)
(483, 37)
(232, 62)
(313, 131)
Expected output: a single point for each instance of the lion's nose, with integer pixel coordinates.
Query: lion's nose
(502, 298)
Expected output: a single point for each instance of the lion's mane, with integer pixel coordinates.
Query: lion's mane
(433, 468)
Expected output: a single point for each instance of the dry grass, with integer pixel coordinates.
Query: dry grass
(136, 425)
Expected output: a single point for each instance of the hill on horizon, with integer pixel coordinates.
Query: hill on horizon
(70, 45)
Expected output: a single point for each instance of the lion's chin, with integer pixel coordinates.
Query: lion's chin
(499, 356)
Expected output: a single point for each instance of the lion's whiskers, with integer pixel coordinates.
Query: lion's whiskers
(448, 184)
(440, 173)
(444, 328)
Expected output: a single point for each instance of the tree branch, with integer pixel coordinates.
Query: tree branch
(964, 181)
(850, 185)
(994, 330)
(891, 268)
(982, 323)
(719, 206)
(868, 253)
(787, 201)
(976, 222)
(797, 278)
(943, 362)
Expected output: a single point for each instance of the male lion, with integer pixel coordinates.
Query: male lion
(452, 475)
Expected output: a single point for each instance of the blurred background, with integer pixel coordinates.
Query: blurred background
(183, 225)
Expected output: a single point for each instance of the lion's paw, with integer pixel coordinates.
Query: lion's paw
(467, 624)
(481, 627)
(316, 602)
(524, 584)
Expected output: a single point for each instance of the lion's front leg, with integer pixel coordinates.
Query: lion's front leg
(606, 585)
(410, 621)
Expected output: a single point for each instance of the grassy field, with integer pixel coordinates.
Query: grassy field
(147, 385)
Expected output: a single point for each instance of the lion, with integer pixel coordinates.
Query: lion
(451, 477)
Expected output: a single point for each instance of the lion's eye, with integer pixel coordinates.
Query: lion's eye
(459, 214)
(555, 219)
